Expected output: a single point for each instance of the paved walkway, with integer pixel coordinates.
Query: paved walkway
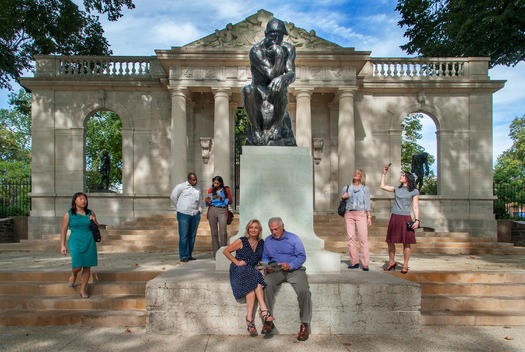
(430, 338)
(75, 339)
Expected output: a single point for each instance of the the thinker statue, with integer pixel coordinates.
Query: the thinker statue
(272, 63)
(104, 169)
(420, 168)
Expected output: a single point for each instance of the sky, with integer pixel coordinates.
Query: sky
(364, 25)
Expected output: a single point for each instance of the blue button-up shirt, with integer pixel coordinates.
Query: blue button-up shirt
(287, 249)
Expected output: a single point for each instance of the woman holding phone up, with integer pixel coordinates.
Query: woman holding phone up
(406, 198)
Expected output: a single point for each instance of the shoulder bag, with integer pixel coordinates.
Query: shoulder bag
(342, 205)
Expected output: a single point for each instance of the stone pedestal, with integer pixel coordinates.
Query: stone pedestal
(278, 181)
(193, 298)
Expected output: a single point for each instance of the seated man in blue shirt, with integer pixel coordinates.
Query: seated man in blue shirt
(287, 250)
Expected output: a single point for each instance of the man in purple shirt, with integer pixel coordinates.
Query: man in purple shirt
(287, 251)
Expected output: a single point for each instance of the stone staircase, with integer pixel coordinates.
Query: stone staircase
(44, 299)
(448, 298)
(470, 298)
(160, 232)
(331, 228)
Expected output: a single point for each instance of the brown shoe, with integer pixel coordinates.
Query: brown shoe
(267, 327)
(303, 332)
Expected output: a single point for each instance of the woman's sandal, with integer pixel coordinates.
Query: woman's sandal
(265, 315)
(404, 270)
(391, 267)
(251, 327)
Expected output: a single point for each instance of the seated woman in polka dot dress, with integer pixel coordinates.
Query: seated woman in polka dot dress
(246, 281)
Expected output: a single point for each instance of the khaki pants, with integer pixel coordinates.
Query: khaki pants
(299, 282)
(217, 221)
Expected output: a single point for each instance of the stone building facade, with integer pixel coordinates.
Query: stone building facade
(177, 110)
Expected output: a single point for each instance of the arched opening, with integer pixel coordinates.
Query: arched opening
(103, 153)
(419, 151)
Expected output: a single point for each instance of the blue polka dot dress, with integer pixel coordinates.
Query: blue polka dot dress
(245, 279)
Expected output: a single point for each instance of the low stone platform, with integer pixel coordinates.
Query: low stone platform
(193, 298)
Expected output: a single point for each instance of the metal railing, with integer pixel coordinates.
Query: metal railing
(510, 203)
(14, 198)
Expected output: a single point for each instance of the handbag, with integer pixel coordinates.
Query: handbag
(342, 205)
(96, 231)
(229, 218)
(410, 224)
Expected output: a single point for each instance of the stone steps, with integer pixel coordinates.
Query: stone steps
(44, 299)
(470, 298)
(160, 232)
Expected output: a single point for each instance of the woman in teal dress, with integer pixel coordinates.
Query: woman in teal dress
(82, 246)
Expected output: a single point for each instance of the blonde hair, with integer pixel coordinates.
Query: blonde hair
(363, 176)
(250, 223)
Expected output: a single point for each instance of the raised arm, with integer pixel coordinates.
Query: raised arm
(383, 186)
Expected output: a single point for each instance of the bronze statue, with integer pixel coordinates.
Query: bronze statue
(420, 168)
(104, 170)
(272, 63)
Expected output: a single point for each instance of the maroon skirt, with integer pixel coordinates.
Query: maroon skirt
(397, 230)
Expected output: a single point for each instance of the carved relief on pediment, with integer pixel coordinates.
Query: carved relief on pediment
(251, 31)
(326, 74)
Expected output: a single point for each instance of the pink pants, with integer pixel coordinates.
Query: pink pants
(357, 220)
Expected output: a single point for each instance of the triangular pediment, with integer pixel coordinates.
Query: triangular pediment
(251, 30)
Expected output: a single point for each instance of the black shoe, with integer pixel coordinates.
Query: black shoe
(365, 269)
(353, 266)
(191, 258)
(184, 260)
(267, 327)
(303, 333)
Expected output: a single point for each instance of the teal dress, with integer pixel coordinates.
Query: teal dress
(82, 246)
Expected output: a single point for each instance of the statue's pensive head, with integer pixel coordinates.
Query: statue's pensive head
(276, 25)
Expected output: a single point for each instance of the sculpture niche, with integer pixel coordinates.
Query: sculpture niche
(272, 63)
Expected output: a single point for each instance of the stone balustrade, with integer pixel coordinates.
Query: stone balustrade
(104, 67)
(428, 68)
(97, 67)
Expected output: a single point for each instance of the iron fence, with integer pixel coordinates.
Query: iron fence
(510, 203)
(14, 198)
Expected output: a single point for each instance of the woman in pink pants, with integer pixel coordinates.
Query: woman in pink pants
(357, 217)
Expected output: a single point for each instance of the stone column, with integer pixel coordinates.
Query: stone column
(221, 139)
(346, 137)
(303, 118)
(128, 161)
(179, 143)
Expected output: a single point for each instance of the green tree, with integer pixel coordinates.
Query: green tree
(241, 124)
(509, 173)
(44, 27)
(492, 28)
(510, 165)
(15, 138)
(103, 133)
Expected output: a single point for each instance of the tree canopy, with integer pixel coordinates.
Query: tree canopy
(510, 165)
(15, 138)
(43, 27)
(460, 28)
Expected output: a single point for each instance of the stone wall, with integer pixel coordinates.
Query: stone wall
(7, 230)
(13, 229)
